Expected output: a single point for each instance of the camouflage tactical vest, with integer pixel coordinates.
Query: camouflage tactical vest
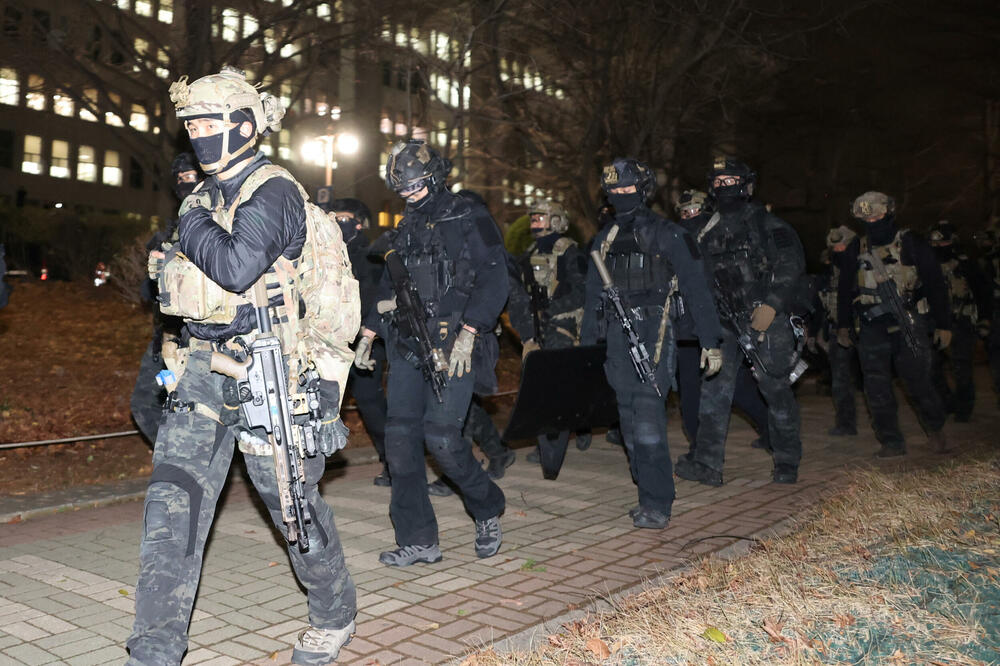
(905, 277)
(963, 303)
(544, 265)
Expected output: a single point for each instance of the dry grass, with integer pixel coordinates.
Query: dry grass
(855, 582)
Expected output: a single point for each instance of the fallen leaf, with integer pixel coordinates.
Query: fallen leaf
(432, 626)
(898, 657)
(713, 634)
(599, 648)
(272, 564)
(555, 640)
(274, 656)
(123, 592)
(574, 627)
(618, 645)
(773, 629)
(845, 620)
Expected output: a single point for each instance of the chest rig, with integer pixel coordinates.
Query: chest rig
(903, 276)
(636, 272)
(736, 242)
(429, 262)
(544, 265)
(963, 303)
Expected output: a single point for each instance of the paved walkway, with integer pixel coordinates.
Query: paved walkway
(67, 579)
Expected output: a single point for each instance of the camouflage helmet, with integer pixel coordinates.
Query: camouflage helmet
(942, 231)
(873, 205)
(625, 171)
(841, 235)
(558, 217)
(413, 164)
(692, 200)
(221, 96)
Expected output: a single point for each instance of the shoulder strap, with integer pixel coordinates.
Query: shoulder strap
(714, 220)
(562, 244)
(608, 240)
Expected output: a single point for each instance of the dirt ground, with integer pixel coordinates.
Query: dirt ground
(69, 355)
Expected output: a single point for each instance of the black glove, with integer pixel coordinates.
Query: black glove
(229, 415)
(331, 435)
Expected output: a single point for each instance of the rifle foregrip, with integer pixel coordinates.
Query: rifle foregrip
(602, 270)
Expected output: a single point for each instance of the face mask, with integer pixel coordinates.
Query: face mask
(943, 252)
(882, 230)
(625, 203)
(183, 189)
(208, 150)
(348, 229)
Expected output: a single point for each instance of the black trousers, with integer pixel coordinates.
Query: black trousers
(880, 352)
(416, 418)
(958, 355)
(843, 366)
(366, 387)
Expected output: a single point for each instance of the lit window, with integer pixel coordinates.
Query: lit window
(322, 108)
(285, 145)
(419, 44)
(335, 112)
(441, 46)
(323, 10)
(401, 129)
(385, 125)
(230, 24)
(466, 96)
(9, 87)
(287, 50)
(287, 3)
(139, 120)
(266, 148)
(141, 46)
(338, 10)
(112, 174)
(111, 117)
(401, 39)
(286, 94)
(32, 161)
(166, 13)
(143, 7)
(59, 167)
(35, 95)
(270, 44)
(163, 64)
(124, 4)
(249, 26)
(89, 102)
(443, 84)
(63, 105)
(86, 169)
(454, 95)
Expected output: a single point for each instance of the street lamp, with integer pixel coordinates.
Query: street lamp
(321, 149)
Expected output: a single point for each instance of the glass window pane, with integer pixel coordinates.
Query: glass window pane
(139, 120)
(249, 26)
(35, 95)
(9, 87)
(166, 13)
(63, 105)
(111, 117)
(32, 160)
(59, 166)
(90, 99)
(143, 7)
(112, 173)
(86, 170)
(230, 24)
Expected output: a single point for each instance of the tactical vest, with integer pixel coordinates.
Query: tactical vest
(963, 303)
(741, 244)
(431, 267)
(905, 277)
(544, 265)
(828, 295)
(635, 272)
(315, 311)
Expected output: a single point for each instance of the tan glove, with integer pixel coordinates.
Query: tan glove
(711, 361)
(385, 306)
(154, 264)
(762, 317)
(942, 338)
(527, 347)
(844, 338)
(363, 353)
(460, 359)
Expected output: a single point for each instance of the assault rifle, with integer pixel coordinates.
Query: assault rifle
(412, 322)
(889, 295)
(730, 298)
(636, 349)
(539, 303)
(262, 382)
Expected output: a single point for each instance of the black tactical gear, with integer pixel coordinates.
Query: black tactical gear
(730, 167)
(624, 172)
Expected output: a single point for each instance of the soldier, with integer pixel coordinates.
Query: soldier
(248, 225)
(843, 360)
(147, 396)
(756, 258)
(354, 218)
(453, 252)
(989, 323)
(968, 295)
(887, 338)
(648, 259)
(694, 211)
(546, 306)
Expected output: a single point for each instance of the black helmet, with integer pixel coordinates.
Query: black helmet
(724, 166)
(183, 162)
(942, 231)
(625, 171)
(355, 207)
(414, 164)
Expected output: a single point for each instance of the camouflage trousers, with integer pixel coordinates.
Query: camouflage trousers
(843, 369)
(191, 461)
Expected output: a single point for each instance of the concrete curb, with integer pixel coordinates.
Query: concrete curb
(18, 509)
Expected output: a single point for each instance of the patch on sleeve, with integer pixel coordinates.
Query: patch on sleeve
(692, 246)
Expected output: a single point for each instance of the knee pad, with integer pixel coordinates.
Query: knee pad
(173, 504)
(443, 438)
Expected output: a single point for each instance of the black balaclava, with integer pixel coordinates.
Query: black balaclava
(208, 149)
(882, 231)
(182, 163)
(626, 204)
(944, 252)
(730, 198)
(694, 224)
(547, 242)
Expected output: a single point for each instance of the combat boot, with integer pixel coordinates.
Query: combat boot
(842, 431)
(650, 519)
(692, 470)
(498, 465)
(383, 480)
(938, 442)
(784, 473)
(318, 647)
(583, 441)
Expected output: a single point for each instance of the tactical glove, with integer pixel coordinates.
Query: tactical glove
(844, 338)
(762, 317)
(942, 338)
(460, 359)
(200, 199)
(386, 306)
(331, 436)
(154, 264)
(711, 361)
(983, 328)
(527, 347)
(363, 353)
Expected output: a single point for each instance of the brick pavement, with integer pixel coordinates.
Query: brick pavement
(67, 579)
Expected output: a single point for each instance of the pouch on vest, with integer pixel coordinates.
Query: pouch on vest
(185, 291)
